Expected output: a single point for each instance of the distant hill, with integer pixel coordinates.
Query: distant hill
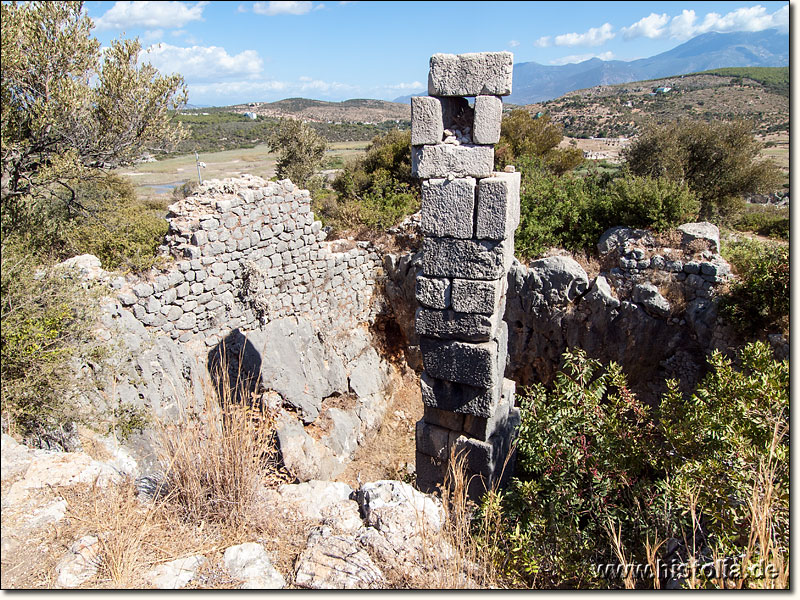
(320, 111)
(760, 95)
(534, 82)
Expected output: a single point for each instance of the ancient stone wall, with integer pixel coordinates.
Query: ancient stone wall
(248, 251)
(469, 214)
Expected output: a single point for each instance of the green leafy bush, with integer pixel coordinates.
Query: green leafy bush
(572, 212)
(46, 324)
(719, 161)
(735, 424)
(585, 459)
(376, 191)
(591, 458)
(120, 230)
(760, 298)
(768, 221)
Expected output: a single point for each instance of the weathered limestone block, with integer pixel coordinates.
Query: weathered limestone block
(442, 160)
(488, 115)
(477, 296)
(433, 292)
(451, 325)
(466, 259)
(471, 74)
(448, 207)
(447, 397)
(432, 440)
(503, 420)
(426, 120)
(430, 472)
(498, 206)
(461, 362)
(443, 418)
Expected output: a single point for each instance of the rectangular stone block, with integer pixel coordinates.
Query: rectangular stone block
(433, 292)
(430, 472)
(443, 418)
(442, 160)
(471, 74)
(448, 207)
(478, 365)
(466, 259)
(497, 212)
(488, 115)
(478, 296)
(451, 325)
(458, 399)
(432, 440)
(427, 126)
(504, 420)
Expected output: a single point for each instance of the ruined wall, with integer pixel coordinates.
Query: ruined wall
(248, 251)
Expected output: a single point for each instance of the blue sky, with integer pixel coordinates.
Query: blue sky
(232, 52)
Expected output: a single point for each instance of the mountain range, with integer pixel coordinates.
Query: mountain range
(534, 82)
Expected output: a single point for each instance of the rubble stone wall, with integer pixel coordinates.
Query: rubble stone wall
(248, 251)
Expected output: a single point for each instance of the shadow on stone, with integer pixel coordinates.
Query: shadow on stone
(235, 368)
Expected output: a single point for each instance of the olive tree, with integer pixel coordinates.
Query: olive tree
(300, 150)
(72, 111)
(718, 161)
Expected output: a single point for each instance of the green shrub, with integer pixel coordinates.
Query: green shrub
(47, 320)
(768, 221)
(718, 160)
(760, 298)
(376, 191)
(585, 458)
(590, 456)
(728, 454)
(120, 230)
(572, 212)
(656, 203)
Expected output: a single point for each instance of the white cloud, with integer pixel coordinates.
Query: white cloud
(577, 58)
(152, 36)
(543, 42)
(687, 24)
(513, 43)
(596, 36)
(276, 7)
(652, 26)
(150, 14)
(204, 63)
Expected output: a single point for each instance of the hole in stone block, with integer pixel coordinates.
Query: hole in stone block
(458, 118)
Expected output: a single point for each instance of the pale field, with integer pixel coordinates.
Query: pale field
(156, 180)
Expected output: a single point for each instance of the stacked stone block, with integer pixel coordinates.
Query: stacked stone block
(248, 251)
(469, 214)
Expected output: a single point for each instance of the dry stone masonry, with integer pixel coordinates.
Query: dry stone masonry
(469, 214)
(249, 251)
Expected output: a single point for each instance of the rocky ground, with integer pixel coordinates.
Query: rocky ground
(77, 520)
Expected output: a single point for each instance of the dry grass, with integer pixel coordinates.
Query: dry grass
(214, 464)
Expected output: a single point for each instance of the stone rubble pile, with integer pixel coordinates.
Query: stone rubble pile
(469, 214)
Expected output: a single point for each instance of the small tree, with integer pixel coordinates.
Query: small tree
(717, 160)
(522, 135)
(300, 150)
(71, 112)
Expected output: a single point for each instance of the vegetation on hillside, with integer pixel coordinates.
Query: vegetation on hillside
(717, 160)
(69, 115)
(602, 479)
(623, 109)
(300, 150)
(775, 79)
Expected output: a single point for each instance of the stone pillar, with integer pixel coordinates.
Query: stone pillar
(469, 214)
